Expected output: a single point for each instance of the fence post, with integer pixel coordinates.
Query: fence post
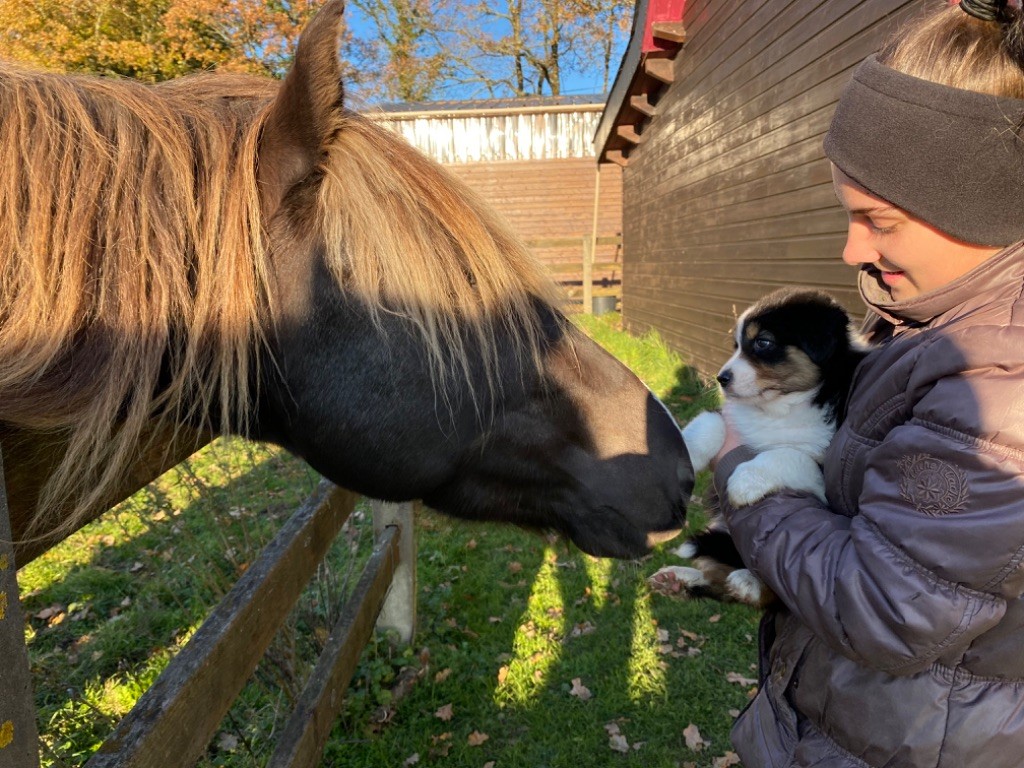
(588, 274)
(399, 610)
(19, 737)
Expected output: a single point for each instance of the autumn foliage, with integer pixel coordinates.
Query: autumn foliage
(153, 39)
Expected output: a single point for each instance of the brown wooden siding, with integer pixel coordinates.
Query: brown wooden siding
(550, 204)
(729, 195)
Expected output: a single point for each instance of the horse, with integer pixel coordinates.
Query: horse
(242, 256)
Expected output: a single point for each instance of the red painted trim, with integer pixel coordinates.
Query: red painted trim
(660, 10)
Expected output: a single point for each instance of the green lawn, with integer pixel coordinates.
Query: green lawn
(528, 653)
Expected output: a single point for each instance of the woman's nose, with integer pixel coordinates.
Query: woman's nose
(859, 249)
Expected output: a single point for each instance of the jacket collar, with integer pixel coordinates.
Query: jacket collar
(1005, 266)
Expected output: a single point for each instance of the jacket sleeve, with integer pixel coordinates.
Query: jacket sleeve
(937, 544)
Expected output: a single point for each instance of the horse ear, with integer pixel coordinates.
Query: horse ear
(300, 117)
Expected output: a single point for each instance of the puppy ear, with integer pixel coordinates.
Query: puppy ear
(819, 346)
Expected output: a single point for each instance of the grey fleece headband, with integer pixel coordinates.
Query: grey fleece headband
(951, 157)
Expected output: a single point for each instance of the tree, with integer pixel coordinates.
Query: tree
(528, 46)
(153, 39)
(406, 46)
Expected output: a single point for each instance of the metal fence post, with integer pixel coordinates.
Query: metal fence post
(19, 737)
(399, 611)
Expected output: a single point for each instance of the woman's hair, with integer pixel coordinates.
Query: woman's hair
(953, 48)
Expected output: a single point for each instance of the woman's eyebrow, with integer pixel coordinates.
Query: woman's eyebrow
(875, 209)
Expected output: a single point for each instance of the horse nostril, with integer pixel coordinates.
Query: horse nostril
(724, 377)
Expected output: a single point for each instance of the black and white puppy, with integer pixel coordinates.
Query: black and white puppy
(785, 388)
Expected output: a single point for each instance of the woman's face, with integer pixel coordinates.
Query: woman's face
(907, 255)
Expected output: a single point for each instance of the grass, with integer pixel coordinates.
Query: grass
(528, 653)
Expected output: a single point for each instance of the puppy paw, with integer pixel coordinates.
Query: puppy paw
(745, 587)
(704, 437)
(748, 484)
(675, 580)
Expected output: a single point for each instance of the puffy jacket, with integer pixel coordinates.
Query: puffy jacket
(901, 644)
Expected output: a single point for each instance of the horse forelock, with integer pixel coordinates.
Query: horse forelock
(408, 237)
(129, 235)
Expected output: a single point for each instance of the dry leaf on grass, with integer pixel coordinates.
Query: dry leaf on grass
(616, 740)
(412, 759)
(736, 677)
(444, 713)
(726, 760)
(476, 738)
(579, 690)
(694, 741)
(441, 676)
(227, 742)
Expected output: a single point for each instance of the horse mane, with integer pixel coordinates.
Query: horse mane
(134, 270)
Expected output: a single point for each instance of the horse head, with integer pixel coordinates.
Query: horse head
(417, 351)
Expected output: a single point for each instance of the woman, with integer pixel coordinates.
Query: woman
(902, 639)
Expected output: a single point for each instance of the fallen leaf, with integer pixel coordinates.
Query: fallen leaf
(444, 713)
(471, 544)
(515, 567)
(618, 743)
(726, 760)
(736, 677)
(441, 745)
(412, 759)
(584, 628)
(441, 676)
(715, 619)
(489, 764)
(502, 675)
(49, 613)
(475, 739)
(227, 742)
(580, 690)
(694, 741)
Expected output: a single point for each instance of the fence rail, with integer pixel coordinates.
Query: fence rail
(174, 721)
(581, 272)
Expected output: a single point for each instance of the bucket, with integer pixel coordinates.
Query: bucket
(603, 304)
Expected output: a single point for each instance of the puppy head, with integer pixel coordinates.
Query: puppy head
(784, 344)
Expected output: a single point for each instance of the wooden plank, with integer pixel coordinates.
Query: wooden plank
(304, 737)
(660, 69)
(672, 31)
(617, 157)
(399, 610)
(588, 277)
(628, 133)
(19, 739)
(175, 719)
(559, 242)
(642, 104)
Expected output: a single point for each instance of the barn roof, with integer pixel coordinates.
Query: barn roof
(647, 69)
(410, 109)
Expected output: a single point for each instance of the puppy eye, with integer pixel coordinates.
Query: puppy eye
(763, 344)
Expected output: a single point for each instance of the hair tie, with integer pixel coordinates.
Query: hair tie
(985, 10)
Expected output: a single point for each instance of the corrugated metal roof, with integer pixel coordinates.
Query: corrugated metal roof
(476, 105)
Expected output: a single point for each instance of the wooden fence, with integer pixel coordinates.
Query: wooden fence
(174, 721)
(583, 277)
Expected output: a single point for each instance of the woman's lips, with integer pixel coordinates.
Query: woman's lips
(891, 278)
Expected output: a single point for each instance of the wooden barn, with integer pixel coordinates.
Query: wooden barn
(533, 159)
(717, 117)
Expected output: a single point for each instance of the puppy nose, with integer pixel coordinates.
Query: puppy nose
(724, 377)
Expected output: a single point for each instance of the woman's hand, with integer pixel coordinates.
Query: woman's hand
(732, 440)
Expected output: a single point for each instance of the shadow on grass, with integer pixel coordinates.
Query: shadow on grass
(109, 607)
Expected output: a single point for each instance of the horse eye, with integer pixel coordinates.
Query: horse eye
(763, 344)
